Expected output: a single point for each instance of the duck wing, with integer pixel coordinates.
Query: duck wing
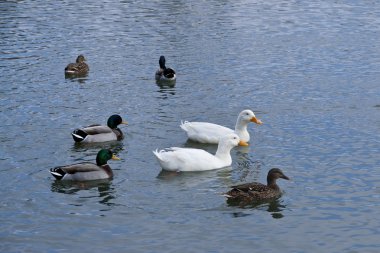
(251, 187)
(72, 67)
(97, 129)
(205, 132)
(80, 167)
(186, 159)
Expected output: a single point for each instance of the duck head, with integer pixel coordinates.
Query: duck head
(274, 174)
(115, 120)
(104, 155)
(248, 116)
(80, 59)
(232, 140)
(162, 62)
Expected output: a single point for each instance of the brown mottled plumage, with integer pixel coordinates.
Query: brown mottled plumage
(255, 192)
(78, 68)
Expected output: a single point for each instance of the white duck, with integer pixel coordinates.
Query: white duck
(205, 132)
(191, 159)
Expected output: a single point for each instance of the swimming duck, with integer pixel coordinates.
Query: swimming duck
(251, 192)
(78, 68)
(191, 159)
(164, 73)
(87, 171)
(98, 133)
(205, 132)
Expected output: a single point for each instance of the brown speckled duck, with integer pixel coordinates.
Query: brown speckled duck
(256, 192)
(87, 171)
(78, 68)
(164, 73)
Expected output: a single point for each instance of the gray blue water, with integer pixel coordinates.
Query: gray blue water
(310, 70)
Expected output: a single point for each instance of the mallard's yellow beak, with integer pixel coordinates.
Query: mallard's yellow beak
(243, 143)
(256, 120)
(124, 122)
(114, 157)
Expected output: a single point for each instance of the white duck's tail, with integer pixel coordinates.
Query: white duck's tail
(157, 154)
(184, 125)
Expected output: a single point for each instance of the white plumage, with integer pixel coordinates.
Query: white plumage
(205, 132)
(191, 159)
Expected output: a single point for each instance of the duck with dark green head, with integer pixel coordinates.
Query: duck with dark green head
(80, 67)
(87, 171)
(256, 192)
(164, 73)
(99, 133)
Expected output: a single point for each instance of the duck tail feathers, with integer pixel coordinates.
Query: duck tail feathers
(183, 124)
(79, 135)
(57, 172)
(156, 153)
(226, 195)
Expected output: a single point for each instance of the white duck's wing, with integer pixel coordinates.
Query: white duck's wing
(205, 132)
(187, 159)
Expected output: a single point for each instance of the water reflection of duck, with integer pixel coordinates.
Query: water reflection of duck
(87, 171)
(80, 67)
(103, 186)
(98, 133)
(71, 187)
(205, 132)
(274, 207)
(164, 73)
(256, 192)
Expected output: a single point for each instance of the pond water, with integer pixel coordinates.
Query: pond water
(309, 70)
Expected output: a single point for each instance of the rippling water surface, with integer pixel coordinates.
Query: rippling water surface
(309, 70)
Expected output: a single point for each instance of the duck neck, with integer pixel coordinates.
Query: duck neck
(271, 182)
(241, 130)
(100, 161)
(162, 64)
(223, 153)
(108, 170)
(119, 134)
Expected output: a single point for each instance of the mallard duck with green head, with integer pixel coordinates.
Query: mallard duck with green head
(256, 192)
(164, 73)
(80, 67)
(87, 171)
(100, 133)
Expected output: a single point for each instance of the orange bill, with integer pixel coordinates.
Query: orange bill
(243, 143)
(256, 120)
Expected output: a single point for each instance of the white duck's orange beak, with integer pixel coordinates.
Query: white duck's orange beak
(243, 143)
(256, 120)
(114, 157)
